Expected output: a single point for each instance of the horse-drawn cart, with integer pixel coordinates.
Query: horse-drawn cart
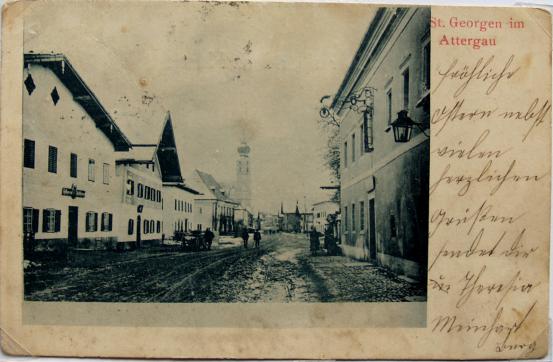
(191, 241)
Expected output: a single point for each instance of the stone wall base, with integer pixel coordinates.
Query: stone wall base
(400, 266)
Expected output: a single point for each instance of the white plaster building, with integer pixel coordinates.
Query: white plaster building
(214, 209)
(321, 210)
(70, 187)
(384, 184)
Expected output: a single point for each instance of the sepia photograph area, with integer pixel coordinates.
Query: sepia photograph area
(231, 153)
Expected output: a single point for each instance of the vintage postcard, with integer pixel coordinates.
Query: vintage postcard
(208, 179)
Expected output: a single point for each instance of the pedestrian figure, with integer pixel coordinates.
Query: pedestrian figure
(257, 238)
(314, 240)
(208, 238)
(245, 237)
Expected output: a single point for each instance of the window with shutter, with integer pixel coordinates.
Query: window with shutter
(52, 159)
(130, 230)
(57, 221)
(27, 219)
(91, 170)
(110, 222)
(130, 187)
(91, 221)
(406, 89)
(73, 165)
(368, 128)
(29, 153)
(106, 174)
(105, 221)
(35, 220)
(88, 223)
(49, 220)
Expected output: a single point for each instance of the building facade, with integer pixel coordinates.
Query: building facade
(215, 209)
(384, 184)
(88, 186)
(179, 210)
(71, 191)
(321, 211)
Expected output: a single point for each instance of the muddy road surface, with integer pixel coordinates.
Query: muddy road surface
(280, 270)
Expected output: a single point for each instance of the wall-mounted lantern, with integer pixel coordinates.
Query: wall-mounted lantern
(403, 127)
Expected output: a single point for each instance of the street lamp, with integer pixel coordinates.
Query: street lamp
(403, 127)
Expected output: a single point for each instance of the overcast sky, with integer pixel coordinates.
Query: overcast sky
(254, 71)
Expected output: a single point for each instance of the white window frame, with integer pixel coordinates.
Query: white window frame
(91, 170)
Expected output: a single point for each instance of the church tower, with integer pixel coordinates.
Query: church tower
(243, 175)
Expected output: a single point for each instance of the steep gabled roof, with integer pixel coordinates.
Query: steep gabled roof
(82, 94)
(214, 187)
(167, 153)
(165, 149)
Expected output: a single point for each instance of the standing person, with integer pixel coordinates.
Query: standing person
(314, 240)
(257, 237)
(208, 237)
(245, 237)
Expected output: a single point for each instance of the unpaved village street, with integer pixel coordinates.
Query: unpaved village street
(281, 270)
